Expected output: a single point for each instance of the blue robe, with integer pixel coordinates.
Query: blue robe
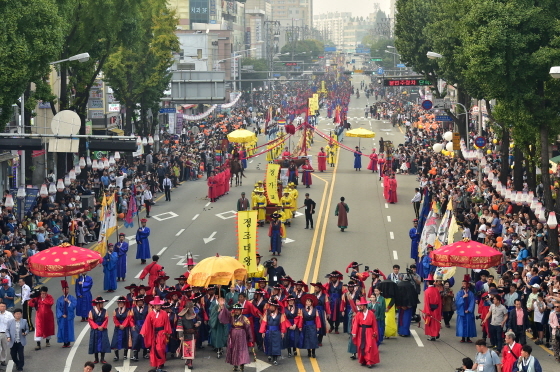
(414, 241)
(276, 237)
(138, 317)
(121, 337)
(358, 160)
(405, 318)
(466, 326)
(273, 336)
(65, 333)
(110, 271)
(122, 250)
(99, 340)
(292, 337)
(352, 349)
(84, 297)
(309, 331)
(143, 245)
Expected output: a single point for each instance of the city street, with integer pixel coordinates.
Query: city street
(377, 236)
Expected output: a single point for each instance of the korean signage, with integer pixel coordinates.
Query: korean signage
(258, 30)
(199, 11)
(247, 239)
(406, 82)
(114, 107)
(271, 185)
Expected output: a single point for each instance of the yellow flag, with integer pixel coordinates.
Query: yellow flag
(247, 239)
(271, 185)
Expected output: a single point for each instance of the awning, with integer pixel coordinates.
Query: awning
(117, 131)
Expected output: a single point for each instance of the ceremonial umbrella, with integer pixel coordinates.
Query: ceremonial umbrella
(360, 133)
(63, 260)
(241, 136)
(468, 254)
(219, 270)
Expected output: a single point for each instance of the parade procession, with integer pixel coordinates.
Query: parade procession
(227, 195)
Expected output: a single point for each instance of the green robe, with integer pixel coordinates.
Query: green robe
(218, 331)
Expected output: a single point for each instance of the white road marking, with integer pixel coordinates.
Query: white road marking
(250, 162)
(210, 238)
(227, 215)
(162, 250)
(207, 204)
(138, 275)
(416, 338)
(395, 255)
(10, 366)
(388, 218)
(381, 185)
(391, 235)
(386, 205)
(195, 217)
(126, 367)
(180, 232)
(288, 240)
(168, 215)
(85, 331)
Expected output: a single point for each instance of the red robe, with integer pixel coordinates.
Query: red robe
(381, 164)
(364, 336)
(392, 183)
(510, 355)
(250, 311)
(386, 188)
(212, 192)
(322, 160)
(156, 331)
(432, 311)
(372, 166)
(44, 320)
(152, 270)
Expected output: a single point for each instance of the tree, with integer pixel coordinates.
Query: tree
(31, 37)
(138, 71)
(259, 64)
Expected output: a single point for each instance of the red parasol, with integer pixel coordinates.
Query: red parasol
(468, 254)
(63, 260)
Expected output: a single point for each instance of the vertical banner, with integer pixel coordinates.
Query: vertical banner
(247, 239)
(271, 184)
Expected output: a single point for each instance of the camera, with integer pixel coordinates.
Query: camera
(268, 264)
(409, 271)
(35, 293)
(366, 268)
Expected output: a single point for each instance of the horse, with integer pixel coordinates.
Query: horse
(285, 163)
(236, 170)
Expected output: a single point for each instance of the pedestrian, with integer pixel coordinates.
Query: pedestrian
(89, 366)
(414, 235)
(323, 309)
(110, 269)
(273, 329)
(510, 353)
(121, 248)
(276, 233)
(218, 331)
(16, 330)
(25, 297)
(554, 323)
(416, 200)
(357, 159)
(106, 367)
(138, 315)
(291, 338)
(322, 160)
(307, 169)
(187, 326)
(342, 211)
(432, 311)
(499, 315)
(152, 270)
(156, 331)
(310, 324)
(83, 296)
(334, 291)
(143, 244)
(259, 204)
(464, 301)
(99, 335)
(372, 166)
(447, 303)
(392, 190)
(240, 337)
(167, 187)
(121, 334)
(377, 304)
(527, 362)
(147, 200)
(486, 360)
(243, 203)
(364, 334)
(65, 307)
(44, 320)
(274, 272)
(5, 318)
(518, 322)
(7, 294)
(309, 206)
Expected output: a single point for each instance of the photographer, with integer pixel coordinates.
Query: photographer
(466, 366)
(273, 271)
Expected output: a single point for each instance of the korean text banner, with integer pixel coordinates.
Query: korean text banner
(247, 239)
(271, 185)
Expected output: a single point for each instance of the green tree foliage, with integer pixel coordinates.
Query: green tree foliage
(259, 64)
(378, 47)
(306, 50)
(138, 71)
(31, 37)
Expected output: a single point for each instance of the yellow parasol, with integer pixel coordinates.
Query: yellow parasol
(219, 270)
(241, 136)
(360, 133)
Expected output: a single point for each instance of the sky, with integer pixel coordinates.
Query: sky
(359, 7)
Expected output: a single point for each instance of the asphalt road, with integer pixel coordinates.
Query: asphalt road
(377, 236)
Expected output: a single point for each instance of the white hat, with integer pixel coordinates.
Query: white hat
(536, 286)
